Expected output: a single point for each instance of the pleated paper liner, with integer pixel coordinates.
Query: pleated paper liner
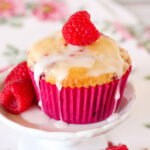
(80, 105)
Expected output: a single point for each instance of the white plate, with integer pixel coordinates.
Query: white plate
(35, 122)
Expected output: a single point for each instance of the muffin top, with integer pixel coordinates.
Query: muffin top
(77, 66)
(78, 56)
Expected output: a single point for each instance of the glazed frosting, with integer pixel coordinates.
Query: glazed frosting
(59, 62)
(59, 65)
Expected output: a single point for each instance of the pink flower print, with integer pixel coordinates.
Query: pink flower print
(50, 10)
(10, 8)
(148, 33)
(122, 30)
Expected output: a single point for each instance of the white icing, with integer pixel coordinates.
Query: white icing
(106, 65)
(65, 63)
(40, 103)
(59, 65)
(57, 61)
(117, 97)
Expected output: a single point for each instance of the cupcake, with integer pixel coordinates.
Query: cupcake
(79, 74)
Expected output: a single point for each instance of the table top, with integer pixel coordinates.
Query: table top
(139, 7)
(18, 32)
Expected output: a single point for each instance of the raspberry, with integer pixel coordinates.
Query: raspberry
(79, 30)
(119, 147)
(17, 96)
(19, 72)
(110, 144)
(18, 92)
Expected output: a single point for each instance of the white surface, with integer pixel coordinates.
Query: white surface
(140, 8)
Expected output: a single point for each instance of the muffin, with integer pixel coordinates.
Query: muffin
(79, 74)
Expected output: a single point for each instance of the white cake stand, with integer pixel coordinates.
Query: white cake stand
(42, 133)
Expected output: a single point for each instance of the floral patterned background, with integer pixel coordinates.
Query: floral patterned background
(22, 22)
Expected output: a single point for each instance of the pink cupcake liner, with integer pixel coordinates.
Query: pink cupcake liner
(80, 105)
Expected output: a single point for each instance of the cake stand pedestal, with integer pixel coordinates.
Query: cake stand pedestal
(42, 133)
(93, 143)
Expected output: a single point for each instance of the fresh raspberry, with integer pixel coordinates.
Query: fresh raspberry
(17, 95)
(119, 147)
(18, 92)
(19, 72)
(79, 30)
(110, 144)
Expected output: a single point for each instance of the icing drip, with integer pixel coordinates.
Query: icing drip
(117, 97)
